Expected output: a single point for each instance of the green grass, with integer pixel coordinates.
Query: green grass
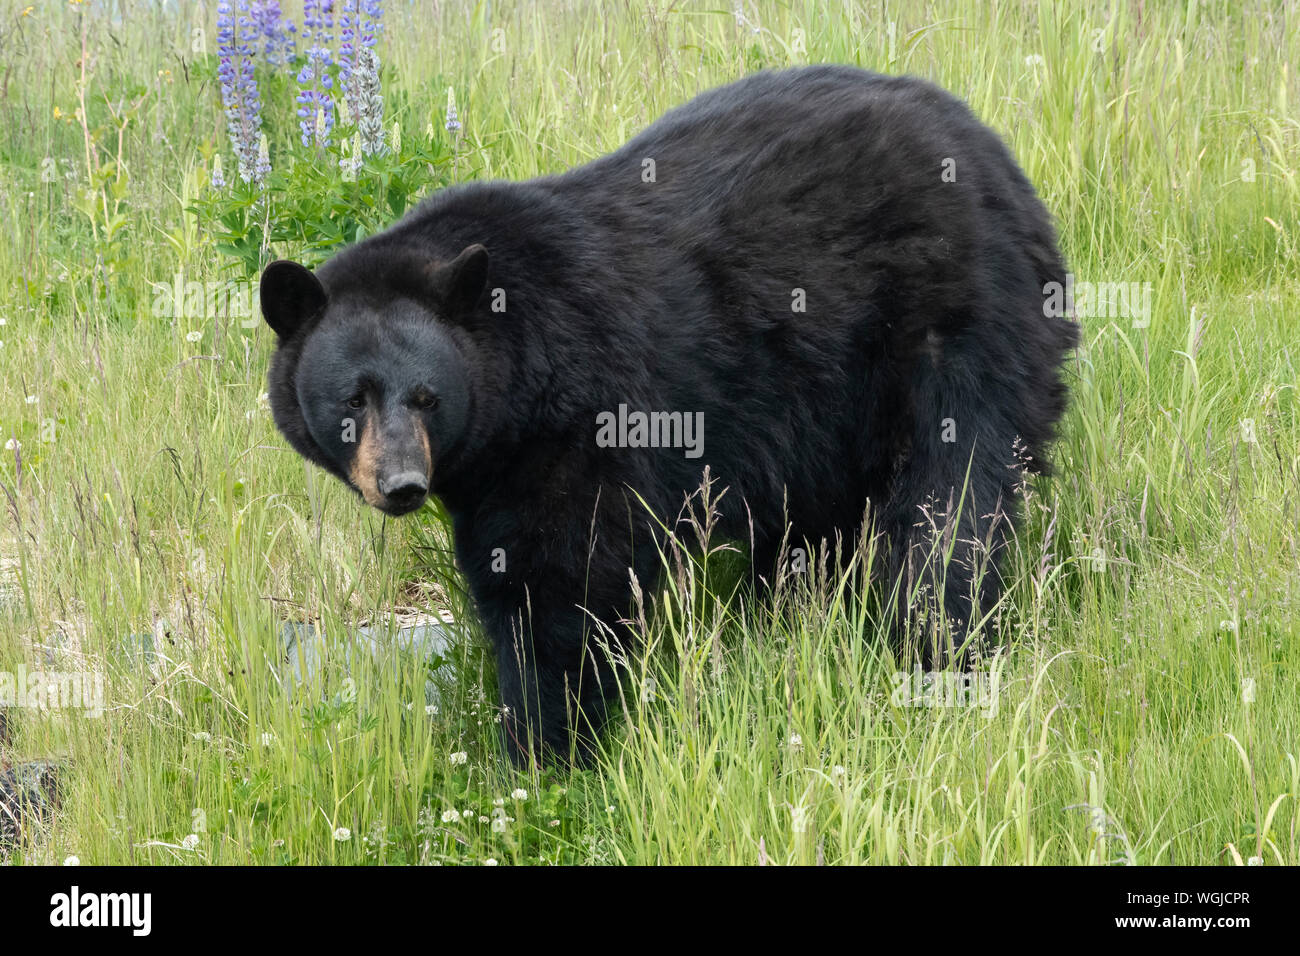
(1154, 576)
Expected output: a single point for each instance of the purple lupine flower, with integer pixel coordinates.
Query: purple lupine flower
(315, 99)
(239, 92)
(372, 12)
(359, 26)
(274, 30)
(349, 33)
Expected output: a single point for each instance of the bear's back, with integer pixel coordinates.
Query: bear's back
(829, 176)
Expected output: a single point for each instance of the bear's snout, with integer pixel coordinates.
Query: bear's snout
(403, 492)
(392, 464)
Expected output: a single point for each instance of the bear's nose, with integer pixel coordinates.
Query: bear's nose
(406, 487)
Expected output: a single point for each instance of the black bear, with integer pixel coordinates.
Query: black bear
(825, 285)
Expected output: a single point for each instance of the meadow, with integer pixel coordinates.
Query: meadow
(159, 533)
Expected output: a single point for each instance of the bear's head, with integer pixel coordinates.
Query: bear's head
(370, 378)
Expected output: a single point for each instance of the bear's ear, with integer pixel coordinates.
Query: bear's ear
(460, 282)
(290, 296)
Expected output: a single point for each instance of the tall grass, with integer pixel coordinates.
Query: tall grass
(1158, 572)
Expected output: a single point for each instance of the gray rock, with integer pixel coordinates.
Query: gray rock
(138, 648)
(29, 793)
(430, 642)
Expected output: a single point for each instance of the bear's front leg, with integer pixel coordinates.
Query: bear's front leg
(555, 678)
(552, 601)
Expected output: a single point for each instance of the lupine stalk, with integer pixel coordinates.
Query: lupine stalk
(263, 167)
(372, 13)
(349, 34)
(315, 97)
(239, 94)
(367, 101)
(453, 121)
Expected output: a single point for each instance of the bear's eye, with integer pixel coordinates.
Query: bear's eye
(424, 400)
(357, 401)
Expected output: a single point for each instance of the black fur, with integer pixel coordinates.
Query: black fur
(924, 302)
